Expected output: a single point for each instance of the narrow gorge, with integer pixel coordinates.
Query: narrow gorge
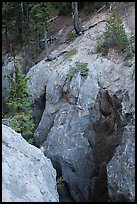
(84, 113)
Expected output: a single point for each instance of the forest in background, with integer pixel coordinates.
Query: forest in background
(24, 23)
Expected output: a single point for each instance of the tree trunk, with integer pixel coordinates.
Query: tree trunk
(75, 17)
(21, 37)
(6, 39)
(36, 49)
(6, 35)
(46, 45)
(29, 63)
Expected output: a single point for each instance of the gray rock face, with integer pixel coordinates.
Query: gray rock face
(39, 75)
(71, 110)
(121, 168)
(27, 175)
(67, 126)
(78, 130)
(68, 140)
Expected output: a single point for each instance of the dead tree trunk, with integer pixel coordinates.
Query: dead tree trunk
(46, 46)
(28, 59)
(46, 43)
(21, 37)
(6, 35)
(75, 18)
(36, 46)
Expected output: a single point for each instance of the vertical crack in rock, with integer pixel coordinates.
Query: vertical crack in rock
(108, 135)
(63, 191)
(62, 186)
(38, 109)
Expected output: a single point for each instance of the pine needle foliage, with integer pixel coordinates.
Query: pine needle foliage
(19, 103)
(115, 36)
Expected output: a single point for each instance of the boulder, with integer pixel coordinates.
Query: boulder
(27, 175)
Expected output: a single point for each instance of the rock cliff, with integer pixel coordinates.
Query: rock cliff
(86, 123)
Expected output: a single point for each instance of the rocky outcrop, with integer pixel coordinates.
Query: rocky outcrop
(39, 75)
(85, 125)
(67, 127)
(85, 118)
(121, 168)
(68, 147)
(27, 175)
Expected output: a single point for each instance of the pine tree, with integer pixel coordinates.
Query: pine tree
(40, 13)
(19, 104)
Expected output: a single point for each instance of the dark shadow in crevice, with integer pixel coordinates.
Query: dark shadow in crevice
(38, 109)
(62, 187)
(108, 135)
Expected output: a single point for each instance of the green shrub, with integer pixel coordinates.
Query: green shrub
(71, 36)
(30, 141)
(71, 72)
(115, 36)
(83, 69)
(80, 67)
(19, 104)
